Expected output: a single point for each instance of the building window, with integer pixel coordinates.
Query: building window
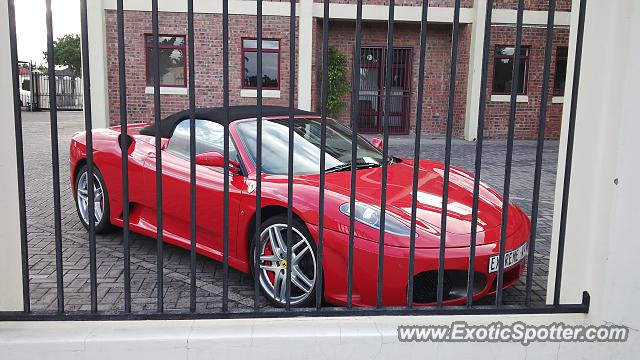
(561, 70)
(270, 64)
(503, 67)
(172, 52)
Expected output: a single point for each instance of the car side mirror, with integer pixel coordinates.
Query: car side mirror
(128, 141)
(377, 142)
(216, 159)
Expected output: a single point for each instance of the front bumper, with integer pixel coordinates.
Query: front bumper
(396, 271)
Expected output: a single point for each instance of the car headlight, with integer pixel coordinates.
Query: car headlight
(370, 216)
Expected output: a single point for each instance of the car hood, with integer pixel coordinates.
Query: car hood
(429, 201)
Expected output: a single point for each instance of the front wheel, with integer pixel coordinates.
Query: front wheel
(274, 266)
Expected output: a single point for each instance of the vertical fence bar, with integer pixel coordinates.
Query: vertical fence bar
(192, 154)
(225, 104)
(55, 161)
(158, 146)
(479, 140)
(323, 141)
(515, 75)
(355, 115)
(258, 243)
(124, 145)
(447, 157)
(292, 79)
(385, 148)
(569, 158)
(17, 116)
(416, 150)
(542, 119)
(31, 85)
(84, 31)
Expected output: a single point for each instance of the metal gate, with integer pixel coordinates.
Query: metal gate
(35, 94)
(372, 90)
(68, 92)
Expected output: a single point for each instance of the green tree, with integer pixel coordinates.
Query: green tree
(66, 51)
(338, 85)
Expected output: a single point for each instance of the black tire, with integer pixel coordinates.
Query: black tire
(306, 264)
(103, 226)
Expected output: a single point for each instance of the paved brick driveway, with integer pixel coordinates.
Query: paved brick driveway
(209, 273)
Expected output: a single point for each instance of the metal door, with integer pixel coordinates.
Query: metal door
(372, 90)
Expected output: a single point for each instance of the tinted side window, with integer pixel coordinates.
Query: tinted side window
(209, 137)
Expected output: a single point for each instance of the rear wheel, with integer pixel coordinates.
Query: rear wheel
(100, 200)
(274, 267)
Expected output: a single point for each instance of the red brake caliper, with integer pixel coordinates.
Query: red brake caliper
(270, 274)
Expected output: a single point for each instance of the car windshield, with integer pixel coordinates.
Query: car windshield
(306, 152)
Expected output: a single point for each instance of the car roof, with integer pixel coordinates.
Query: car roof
(218, 114)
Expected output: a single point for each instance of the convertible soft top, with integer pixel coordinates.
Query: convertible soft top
(218, 114)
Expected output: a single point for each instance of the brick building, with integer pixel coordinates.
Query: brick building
(242, 53)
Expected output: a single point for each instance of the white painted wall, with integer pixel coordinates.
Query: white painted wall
(603, 215)
(621, 291)
(302, 338)
(98, 64)
(10, 257)
(401, 13)
(475, 71)
(305, 54)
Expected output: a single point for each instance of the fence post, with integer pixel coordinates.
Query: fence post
(475, 71)
(10, 264)
(98, 64)
(305, 54)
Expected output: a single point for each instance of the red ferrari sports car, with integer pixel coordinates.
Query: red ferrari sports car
(243, 242)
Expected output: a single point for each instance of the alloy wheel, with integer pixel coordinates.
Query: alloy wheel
(274, 267)
(82, 193)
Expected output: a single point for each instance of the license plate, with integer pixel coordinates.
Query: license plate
(510, 258)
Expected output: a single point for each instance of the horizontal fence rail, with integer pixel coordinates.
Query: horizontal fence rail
(278, 247)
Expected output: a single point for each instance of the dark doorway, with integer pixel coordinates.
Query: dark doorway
(372, 90)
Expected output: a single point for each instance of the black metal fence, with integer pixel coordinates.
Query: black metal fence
(319, 309)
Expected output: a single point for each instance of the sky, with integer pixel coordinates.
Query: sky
(31, 25)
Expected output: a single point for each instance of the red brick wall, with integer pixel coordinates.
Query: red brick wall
(208, 57)
(497, 113)
(341, 37)
(437, 71)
